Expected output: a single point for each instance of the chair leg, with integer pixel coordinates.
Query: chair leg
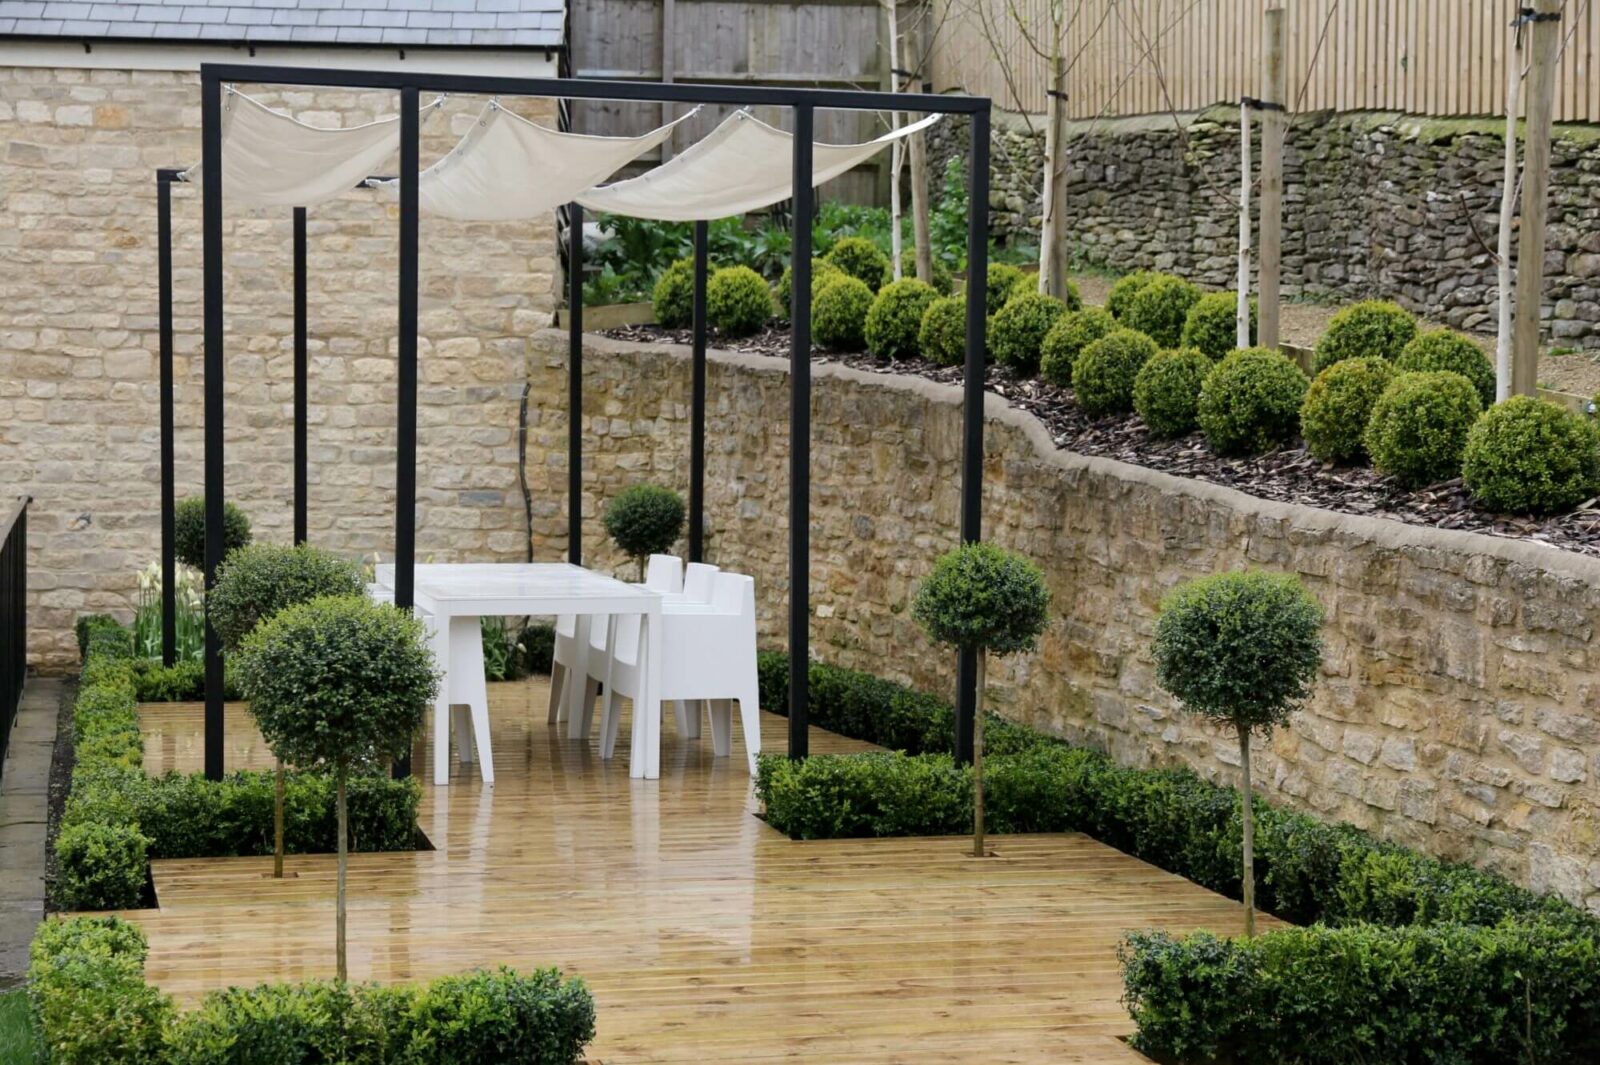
(680, 718)
(750, 722)
(610, 715)
(460, 724)
(690, 711)
(558, 680)
(591, 694)
(721, 727)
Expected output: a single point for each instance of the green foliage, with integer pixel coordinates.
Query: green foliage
(502, 1016)
(1441, 350)
(1418, 428)
(644, 520)
(1212, 324)
(259, 580)
(1000, 285)
(822, 272)
(88, 997)
(1159, 309)
(1028, 285)
(537, 646)
(1240, 648)
(862, 260)
(1017, 332)
(1338, 406)
(1250, 402)
(1104, 373)
(941, 281)
(189, 531)
(942, 336)
(19, 1043)
(100, 866)
(895, 318)
(869, 795)
(338, 682)
(104, 635)
(1527, 456)
(1066, 340)
(672, 299)
(984, 598)
(738, 301)
(839, 313)
(88, 624)
(1125, 288)
(1166, 392)
(1371, 329)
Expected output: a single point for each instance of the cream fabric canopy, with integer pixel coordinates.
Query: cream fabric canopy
(508, 168)
(741, 166)
(271, 159)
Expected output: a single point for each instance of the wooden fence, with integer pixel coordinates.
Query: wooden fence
(1132, 57)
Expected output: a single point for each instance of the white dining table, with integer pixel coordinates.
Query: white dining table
(458, 594)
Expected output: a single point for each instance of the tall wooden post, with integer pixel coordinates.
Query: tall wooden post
(1054, 254)
(1274, 121)
(1544, 38)
(1241, 315)
(921, 181)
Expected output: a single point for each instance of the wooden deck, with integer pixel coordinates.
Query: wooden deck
(704, 934)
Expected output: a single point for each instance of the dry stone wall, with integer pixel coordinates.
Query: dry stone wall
(78, 373)
(1459, 707)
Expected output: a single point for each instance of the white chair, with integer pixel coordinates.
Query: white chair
(698, 580)
(708, 652)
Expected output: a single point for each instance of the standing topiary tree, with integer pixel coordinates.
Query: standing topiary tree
(189, 531)
(988, 600)
(644, 520)
(338, 683)
(1241, 649)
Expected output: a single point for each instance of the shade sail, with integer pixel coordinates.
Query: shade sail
(272, 159)
(741, 166)
(509, 168)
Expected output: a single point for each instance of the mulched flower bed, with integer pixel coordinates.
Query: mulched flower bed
(1289, 474)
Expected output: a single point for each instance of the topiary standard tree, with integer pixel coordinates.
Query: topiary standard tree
(189, 531)
(644, 520)
(1241, 649)
(256, 582)
(987, 600)
(338, 683)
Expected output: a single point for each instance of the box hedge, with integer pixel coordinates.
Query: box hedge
(1529, 456)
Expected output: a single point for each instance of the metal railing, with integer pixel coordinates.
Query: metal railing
(13, 617)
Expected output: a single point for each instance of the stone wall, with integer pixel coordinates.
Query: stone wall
(1374, 205)
(78, 374)
(1459, 707)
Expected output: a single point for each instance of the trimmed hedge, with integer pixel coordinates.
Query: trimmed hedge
(895, 317)
(1338, 406)
(92, 1005)
(1418, 429)
(1212, 325)
(1104, 372)
(942, 336)
(672, 299)
(1000, 284)
(1371, 329)
(1066, 340)
(1017, 332)
(1446, 350)
(738, 301)
(1528, 456)
(1125, 288)
(822, 271)
(862, 260)
(1166, 392)
(189, 530)
(1250, 402)
(839, 313)
(1160, 308)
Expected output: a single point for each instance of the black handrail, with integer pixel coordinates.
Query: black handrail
(13, 618)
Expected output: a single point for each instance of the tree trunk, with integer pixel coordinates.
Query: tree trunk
(1508, 211)
(977, 762)
(277, 824)
(1544, 39)
(897, 152)
(344, 861)
(1054, 257)
(1247, 819)
(1241, 319)
(920, 185)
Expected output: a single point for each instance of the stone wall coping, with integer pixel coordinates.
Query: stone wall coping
(1383, 532)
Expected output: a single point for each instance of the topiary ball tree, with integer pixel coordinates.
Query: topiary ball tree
(1103, 375)
(1166, 392)
(338, 683)
(1243, 650)
(1066, 340)
(1371, 329)
(1028, 284)
(1212, 325)
(1160, 308)
(839, 313)
(862, 260)
(895, 318)
(189, 531)
(1000, 285)
(1019, 328)
(942, 336)
(672, 299)
(822, 271)
(1338, 406)
(1250, 402)
(1418, 429)
(644, 520)
(1529, 456)
(1126, 287)
(941, 280)
(987, 600)
(1443, 350)
(738, 301)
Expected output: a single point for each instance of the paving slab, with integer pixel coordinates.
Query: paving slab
(24, 818)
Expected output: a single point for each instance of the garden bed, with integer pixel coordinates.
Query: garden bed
(1287, 474)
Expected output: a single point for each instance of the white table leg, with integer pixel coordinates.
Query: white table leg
(652, 686)
(578, 679)
(439, 638)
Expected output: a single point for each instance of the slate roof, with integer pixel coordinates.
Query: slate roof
(460, 23)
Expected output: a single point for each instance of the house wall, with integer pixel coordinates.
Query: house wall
(78, 374)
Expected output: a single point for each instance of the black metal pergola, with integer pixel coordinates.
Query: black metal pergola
(803, 104)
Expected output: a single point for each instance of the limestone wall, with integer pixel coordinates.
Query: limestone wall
(1459, 710)
(78, 384)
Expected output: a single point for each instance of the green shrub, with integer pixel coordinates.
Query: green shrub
(822, 271)
(1019, 328)
(1372, 329)
(257, 581)
(1441, 350)
(108, 641)
(1338, 406)
(1212, 324)
(1125, 288)
(1527, 456)
(1000, 285)
(672, 299)
(1166, 391)
(862, 260)
(100, 866)
(88, 997)
(644, 520)
(1250, 402)
(1160, 308)
(1418, 429)
(1028, 284)
(738, 301)
(502, 1016)
(839, 313)
(896, 317)
(941, 280)
(88, 624)
(942, 336)
(1066, 340)
(537, 646)
(870, 795)
(189, 531)
(1104, 373)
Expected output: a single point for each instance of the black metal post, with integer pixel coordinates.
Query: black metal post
(169, 503)
(300, 360)
(697, 401)
(972, 404)
(211, 224)
(800, 440)
(405, 481)
(575, 384)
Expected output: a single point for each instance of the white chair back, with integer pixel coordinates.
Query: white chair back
(698, 581)
(664, 573)
(734, 593)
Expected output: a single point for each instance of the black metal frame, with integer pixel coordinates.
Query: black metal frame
(13, 617)
(803, 103)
